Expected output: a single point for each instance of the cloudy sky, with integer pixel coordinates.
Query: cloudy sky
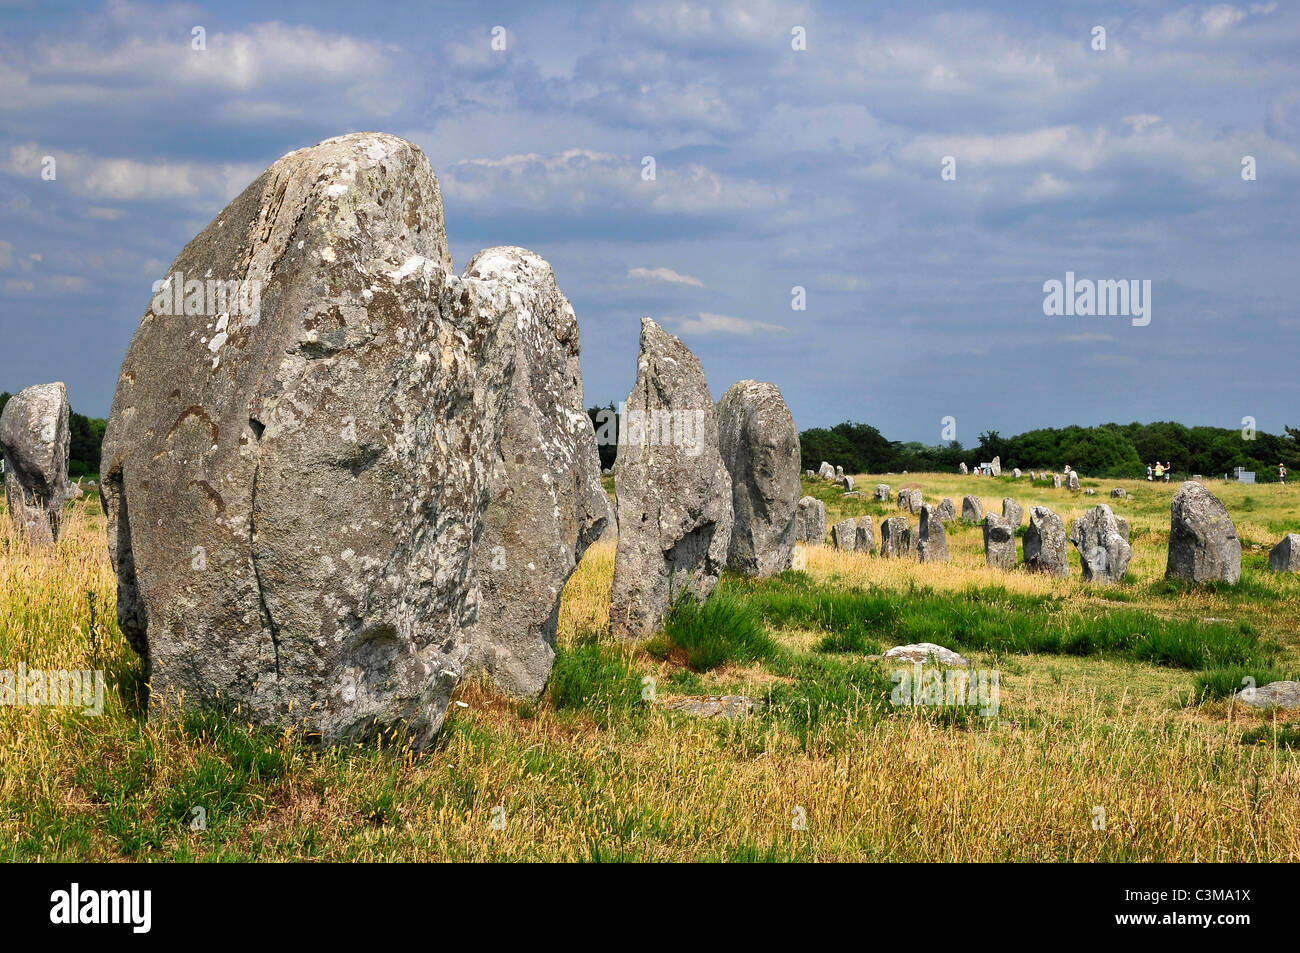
(820, 168)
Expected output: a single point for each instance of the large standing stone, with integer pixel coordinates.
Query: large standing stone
(946, 510)
(963, 469)
(810, 521)
(996, 467)
(35, 440)
(1285, 556)
(1072, 481)
(826, 471)
(1012, 511)
(1203, 544)
(999, 542)
(844, 534)
(547, 504)
(1045, 544)
(972, 509)
(760, 448)
(1103, 551)
(932, 541)
(866, 535)
(882, 493)
(1015, 473)
(895, 537)
(674, 495)
(294, 475)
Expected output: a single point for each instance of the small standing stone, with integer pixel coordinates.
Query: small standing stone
(972, 510)
(1285, 556)
(946, 511)
(866, 535)
(35, 441)
(999, 542)
(844, 534)
(1045, 543)
(882, 493)
(895, 537)
(1012, 511)
(963, 469)
(1103, 551)
(932, 541)
(810, 521)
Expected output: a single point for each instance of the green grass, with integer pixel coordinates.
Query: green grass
(723, 629)
(1226, 681)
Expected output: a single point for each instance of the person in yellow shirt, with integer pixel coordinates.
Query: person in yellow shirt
(1160, 470)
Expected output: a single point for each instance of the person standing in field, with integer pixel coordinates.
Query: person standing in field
(1281, 473)
(1159, 471)
(1148, 473)
(1169, 468)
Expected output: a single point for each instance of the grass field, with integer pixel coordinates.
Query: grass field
(1115, 704)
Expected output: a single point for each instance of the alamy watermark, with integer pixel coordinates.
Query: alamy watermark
(655, 428)
(55, 688)
(973, 688)
(1128, 298)
(211, 297)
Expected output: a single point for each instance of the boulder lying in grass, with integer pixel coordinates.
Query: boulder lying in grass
(1272, 695)
(336, 349)
(1103, 552)
(35, 440)
(1045, 543)
(972, 510)
(1285, 556)
(1015, 473)
(546, 503)
(1012, 511)
(726, 707)
(895, 538)
(999, 542)
(926, 653)
(810, 521)
(1203, 544)
(674, 496)
(759, 445)
(1118, 493)
(931, 540)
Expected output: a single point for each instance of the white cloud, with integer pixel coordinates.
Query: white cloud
(708, 323)
(664, 274)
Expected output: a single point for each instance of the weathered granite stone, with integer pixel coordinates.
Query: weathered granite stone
(1103, 552)
(963, 469)
(972, 509)
(999, 542)
(674, 495)
(1283, 694)
(932, 541)
(826, 471)
(1072, 481)
(760, 448)
(354, 362)
(895, 537)
(1012, 512)
(866, 538)
(910, 500)
(844, 534)
(996, 468)
(946, 510)
(546, 504)
(35, 440)
(882, 493)
(810, 521)
(1285, 556)
(1203, 544)
(1056, 481)
(726, 707)
(1123, 527)
(1015, 473)
(1045, 543)
(1118, 493)
(924, 653)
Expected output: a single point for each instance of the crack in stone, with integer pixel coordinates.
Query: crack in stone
(267, 619)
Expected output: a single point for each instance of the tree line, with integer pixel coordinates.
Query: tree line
(1108, 450)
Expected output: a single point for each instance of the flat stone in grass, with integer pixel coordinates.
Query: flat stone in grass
(1272, 695)
(926, 652)
(726, 707)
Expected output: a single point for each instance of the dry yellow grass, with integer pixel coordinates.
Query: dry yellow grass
(1076, 734)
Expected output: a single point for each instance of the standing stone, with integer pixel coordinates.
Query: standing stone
(810, 474)
(839, 473)
(1056, 481)
(1016, 473)
(846, 481)
(1285, 556)
(546, 504)
(999, 542)
(1118, 493)
(1012, 512)
(932, 541)
(972, 510)
(810, 521)
(963, 469)
(1203, 544)
(35, 440)
(674, 496)
(910, 500)
(1072, 481)
(1103, 551)
(359, 365)
(844, 534)
(895, 537)
(826, 471)
(946, 511)
(1045, 544)
(1123, 527)
(866, 535)
(760, 448)
(1089, 492)
(996, 468)
(882, 493)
